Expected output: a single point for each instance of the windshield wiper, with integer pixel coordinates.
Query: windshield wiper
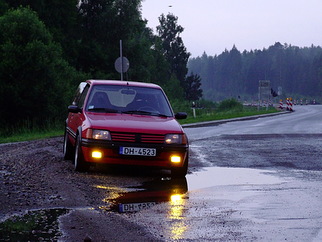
(145, 113)
(105, 110)
(161, 115)
(137, 112)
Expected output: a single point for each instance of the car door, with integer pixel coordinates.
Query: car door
(75, 119)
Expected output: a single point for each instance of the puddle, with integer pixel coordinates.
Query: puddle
(224, 176)
(38, 225)
(148, 195)
(166, 189)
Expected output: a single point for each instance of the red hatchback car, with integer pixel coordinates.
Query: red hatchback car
(124, 123)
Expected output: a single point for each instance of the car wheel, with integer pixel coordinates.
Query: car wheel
(79, 163)
(68, 148)
(178, 172)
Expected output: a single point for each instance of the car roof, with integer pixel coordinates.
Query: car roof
(123, 83)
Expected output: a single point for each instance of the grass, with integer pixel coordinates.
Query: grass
(41, 225)
(26, 133)
(27, 136)
(202, 116)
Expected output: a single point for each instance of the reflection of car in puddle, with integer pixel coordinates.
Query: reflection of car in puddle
(154, 192)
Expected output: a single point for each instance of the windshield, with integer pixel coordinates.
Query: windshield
(132, 100)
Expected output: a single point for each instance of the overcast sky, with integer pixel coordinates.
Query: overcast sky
(215, 25)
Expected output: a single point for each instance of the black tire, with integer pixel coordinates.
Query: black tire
(68, 148)
(79, 163)
(180, 172)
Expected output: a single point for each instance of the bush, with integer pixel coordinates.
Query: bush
(230, 104)
(181, 106)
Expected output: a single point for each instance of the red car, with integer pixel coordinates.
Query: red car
(124, 123)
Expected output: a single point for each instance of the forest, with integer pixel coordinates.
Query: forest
(48, 47)
(292, 71)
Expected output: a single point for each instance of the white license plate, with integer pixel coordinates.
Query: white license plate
(134, 207)
(138, 151)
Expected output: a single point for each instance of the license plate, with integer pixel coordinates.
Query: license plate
(138, 151)
(134, 207)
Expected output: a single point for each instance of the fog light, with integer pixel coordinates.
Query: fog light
(97, 154)
(176, 197)
(175, 159)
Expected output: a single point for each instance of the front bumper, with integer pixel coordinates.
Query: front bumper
(111, 153)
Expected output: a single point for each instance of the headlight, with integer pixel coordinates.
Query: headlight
(98, 134)
(175, 139)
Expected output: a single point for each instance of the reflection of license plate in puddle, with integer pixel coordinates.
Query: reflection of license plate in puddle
(134, 207)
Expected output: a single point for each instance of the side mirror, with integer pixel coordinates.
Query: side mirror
(181, 115)
(74, 109)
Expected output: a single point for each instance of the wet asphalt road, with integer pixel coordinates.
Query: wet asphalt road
(255, 180)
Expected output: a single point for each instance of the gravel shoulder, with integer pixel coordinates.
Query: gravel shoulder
(34, 176)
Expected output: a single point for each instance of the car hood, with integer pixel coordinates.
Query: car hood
(134, 123)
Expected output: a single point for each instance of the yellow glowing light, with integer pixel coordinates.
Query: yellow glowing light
(175, 159)
(102, 187)
(109, 188)
(176, 213)
(177, 206)
(178, 229)
(175, 198)
(97, 154)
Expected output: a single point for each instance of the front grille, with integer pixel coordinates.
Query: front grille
(137, 138)
(151, 138)
(123, 137)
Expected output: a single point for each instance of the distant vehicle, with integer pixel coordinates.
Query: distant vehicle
(124, 123)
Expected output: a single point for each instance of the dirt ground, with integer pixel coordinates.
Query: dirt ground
(34, 177)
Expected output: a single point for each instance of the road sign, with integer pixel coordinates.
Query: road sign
(265, 83)
(122, 64)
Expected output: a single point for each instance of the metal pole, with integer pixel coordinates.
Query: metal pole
(121, 55)
(259, 98)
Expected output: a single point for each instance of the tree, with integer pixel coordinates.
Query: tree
(173, 48)
(60, 18)
(3, 7)
(193, 91)
(103, 24)
(35, 79)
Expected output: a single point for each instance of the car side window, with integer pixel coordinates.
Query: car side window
(79, 92)
(82, 97)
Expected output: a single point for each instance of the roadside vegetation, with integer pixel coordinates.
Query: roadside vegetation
(26, 131)
(226, 109)
(210, 115)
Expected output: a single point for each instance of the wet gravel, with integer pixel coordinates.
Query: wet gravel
(34, 177)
